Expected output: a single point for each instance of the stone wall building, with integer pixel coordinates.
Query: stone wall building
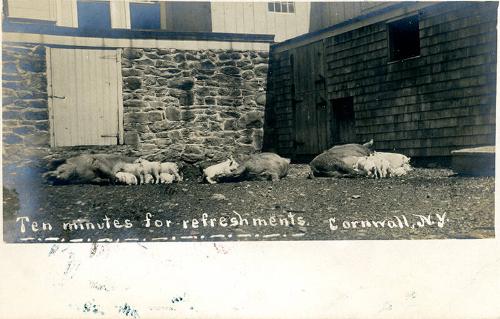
(194, 101)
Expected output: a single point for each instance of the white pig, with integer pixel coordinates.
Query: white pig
(166, 178)
(395, 160)
(152, 168)
(382, 165)
(366, 165)
(148, 179)
(126, 178)
(222, 168)
(170, 168)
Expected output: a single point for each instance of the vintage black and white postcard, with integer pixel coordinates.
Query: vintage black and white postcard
(176, 124)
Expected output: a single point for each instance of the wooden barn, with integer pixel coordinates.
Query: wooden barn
(416, 77)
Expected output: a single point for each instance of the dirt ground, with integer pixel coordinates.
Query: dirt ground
(426, 204)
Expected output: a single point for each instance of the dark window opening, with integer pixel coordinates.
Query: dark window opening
(404, 38)
(343, 108)
(93, 15)
(188, 16)
(145, 16)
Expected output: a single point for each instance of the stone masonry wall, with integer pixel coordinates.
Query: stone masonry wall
(24, 101)
(194, 105)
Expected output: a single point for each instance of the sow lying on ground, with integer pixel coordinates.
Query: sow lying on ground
(105, 168)
(352, 160)
(263, 166)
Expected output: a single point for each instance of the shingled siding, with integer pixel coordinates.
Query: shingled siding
(428, 105)
(278, 126)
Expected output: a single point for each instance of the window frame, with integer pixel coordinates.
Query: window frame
(80, 3)
(289, 7)
(390, 43)
(136, 4)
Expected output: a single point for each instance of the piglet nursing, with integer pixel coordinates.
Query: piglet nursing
(152, 168)
(151, 172)
(126, 178)
(166, 178)
(383, 164)
(172, 169)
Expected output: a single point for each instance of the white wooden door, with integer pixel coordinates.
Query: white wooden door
(85, 96)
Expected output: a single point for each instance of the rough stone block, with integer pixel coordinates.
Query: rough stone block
(10, 115)
(149, 80)
(14, 85)
(37, 104)
(162, 81)
(32, 66)
(187, 99)
(248, 74)
(135, 117)
(36, 115)
(263, 54)
(147, 136)
(153, 55)
(236, 56)
(165, 64)
(182, 83)
(261, 99)
(6, 100)
(42, 125)
(131, 138)
(179, 57)
(258, 137)
(187, 115)
(229, 125)
(132, 54)
(133, 83)
(224, 56)
(207, 65)
(261, 70)
(9, 68)
(12, 139)
(175, 136)
(230, 70)
(24, 130)
(134, 103)
(251, 120)
(144, 63)
(39, 139)
(172, 113)
(15, 77)
(191, 57)
(155, 116)
(227, 63)
(230, 114)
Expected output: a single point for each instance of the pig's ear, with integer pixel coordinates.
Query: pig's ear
(369, 144)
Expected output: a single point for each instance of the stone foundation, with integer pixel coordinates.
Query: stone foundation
(24, 102)
(194, 105)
